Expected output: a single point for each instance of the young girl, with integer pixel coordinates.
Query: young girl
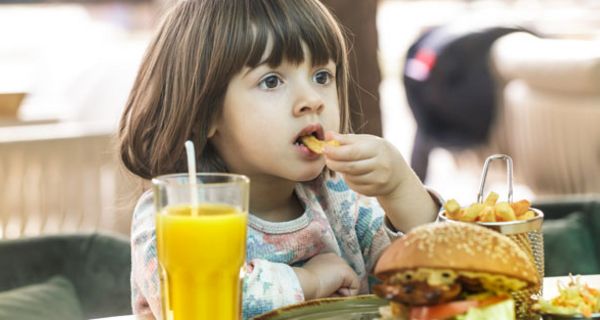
(246, 80)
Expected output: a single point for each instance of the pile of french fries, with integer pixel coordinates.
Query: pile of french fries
(490, 210)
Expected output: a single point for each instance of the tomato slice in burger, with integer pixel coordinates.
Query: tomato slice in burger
(442, 311)
(451, 309)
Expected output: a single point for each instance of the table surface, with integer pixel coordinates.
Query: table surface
(550, 290)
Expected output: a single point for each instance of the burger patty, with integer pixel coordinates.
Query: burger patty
(421, 293)
(418, 292)
(470, 285)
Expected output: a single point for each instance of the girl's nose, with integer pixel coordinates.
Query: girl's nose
(308, 101)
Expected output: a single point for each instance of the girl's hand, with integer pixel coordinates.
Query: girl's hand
(373, 167)
(327, 275)
(370, 165)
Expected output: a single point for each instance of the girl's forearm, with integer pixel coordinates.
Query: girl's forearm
(409, 205)
(307, 282)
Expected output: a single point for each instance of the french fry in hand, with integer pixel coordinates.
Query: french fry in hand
(505, 212)
(317, 146)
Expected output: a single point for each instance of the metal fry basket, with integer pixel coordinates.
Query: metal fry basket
(526, 233)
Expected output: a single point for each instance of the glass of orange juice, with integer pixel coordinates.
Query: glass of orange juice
(201, 244)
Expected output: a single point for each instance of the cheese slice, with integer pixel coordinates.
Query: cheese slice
(437, 277)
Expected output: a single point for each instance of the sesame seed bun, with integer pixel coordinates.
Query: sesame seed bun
(457, 246)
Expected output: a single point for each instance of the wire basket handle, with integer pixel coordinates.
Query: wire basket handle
(509, 175)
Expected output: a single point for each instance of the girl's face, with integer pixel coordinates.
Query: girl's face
(266, 110)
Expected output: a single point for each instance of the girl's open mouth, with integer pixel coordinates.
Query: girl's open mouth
(312, 132)
(315, 130)
(305, 140)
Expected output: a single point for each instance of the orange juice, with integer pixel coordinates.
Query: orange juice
(201, 256)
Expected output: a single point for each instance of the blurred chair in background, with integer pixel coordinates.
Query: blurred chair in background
(570, 242)
(59, 170)
(62, 177)
(550, 111)
(97, 266)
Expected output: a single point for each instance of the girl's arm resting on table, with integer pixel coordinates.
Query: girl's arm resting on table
(266, 285)
(145, 283)
(327, 275)
(269, 285)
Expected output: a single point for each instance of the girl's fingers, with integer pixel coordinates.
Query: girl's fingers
(342, 138)
(352, 146)
(369, 178)
(343, 292)
(351, 167)
(353, 292)
(355, 151)
(349, 152)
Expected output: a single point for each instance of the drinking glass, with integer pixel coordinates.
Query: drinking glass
(201, 244)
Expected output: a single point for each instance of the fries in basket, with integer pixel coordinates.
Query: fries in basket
(490, 210)
(516, 220)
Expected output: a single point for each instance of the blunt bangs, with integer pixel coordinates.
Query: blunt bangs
(288, 24)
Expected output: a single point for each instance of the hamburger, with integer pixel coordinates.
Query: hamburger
(452, 271)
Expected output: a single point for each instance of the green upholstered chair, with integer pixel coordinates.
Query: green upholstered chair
(571, 235)
(97, 265)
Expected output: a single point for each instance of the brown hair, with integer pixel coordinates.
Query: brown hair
(199, 47)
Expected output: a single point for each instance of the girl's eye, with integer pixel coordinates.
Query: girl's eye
(323, 77)
(270, 82)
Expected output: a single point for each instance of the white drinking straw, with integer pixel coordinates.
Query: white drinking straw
(191, 161)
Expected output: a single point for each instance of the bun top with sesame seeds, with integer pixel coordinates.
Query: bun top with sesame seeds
(460, 247)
